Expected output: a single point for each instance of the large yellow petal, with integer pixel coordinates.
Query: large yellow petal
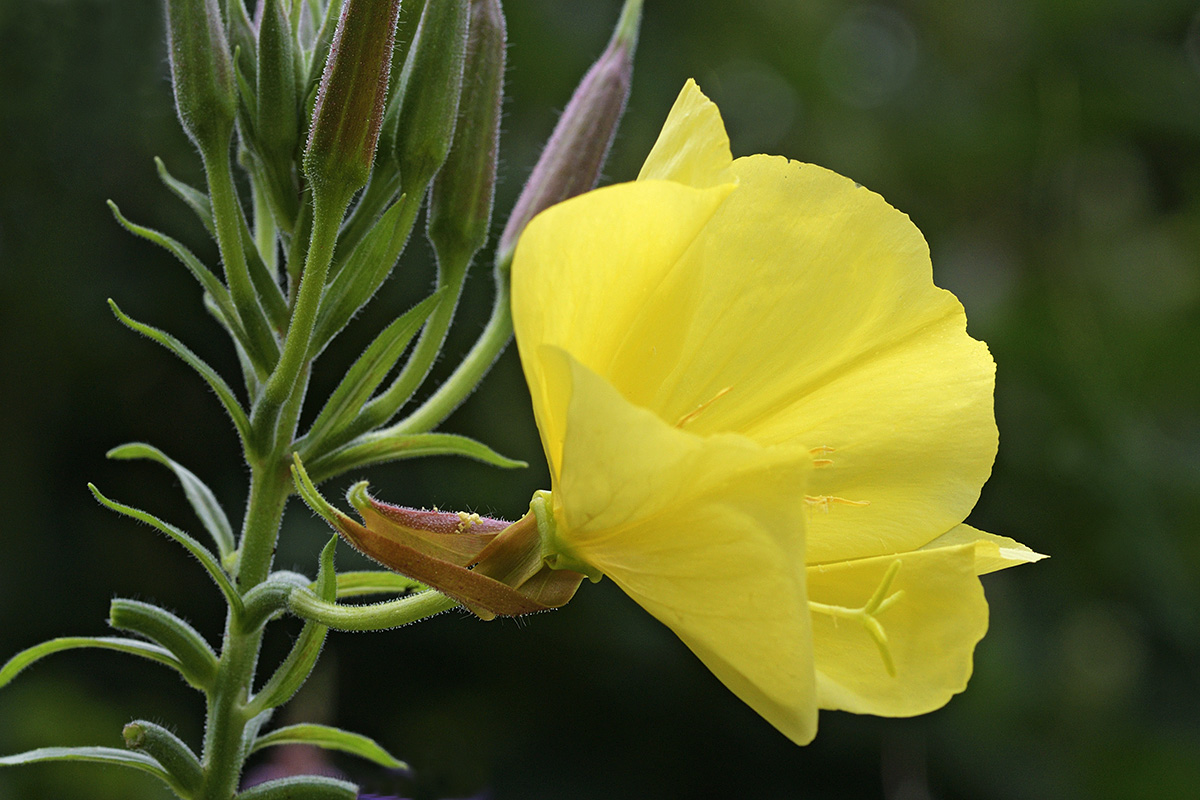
(932, 630)
(584, 268)
(992, 552)
(805, 311)
(700, 532)
(693, 147)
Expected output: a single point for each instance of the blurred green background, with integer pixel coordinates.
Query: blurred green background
(1050, 152)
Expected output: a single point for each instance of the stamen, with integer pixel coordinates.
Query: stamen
(824, 501)
(700, 409)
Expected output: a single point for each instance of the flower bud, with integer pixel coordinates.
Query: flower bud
(201, 72)
(490, 566)
(460, 207)
(277, 127)
(351, 98)
(571, 161)
(431, 83)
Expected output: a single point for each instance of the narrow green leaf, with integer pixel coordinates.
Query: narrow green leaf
(215, 381)
(357, 584)
(302, 787)
(270, 295)
(364, 272)
(331, 738)
(251, 730)
(203, 501)
(95, 755)
(175, 757)
(210, 282)
(365, 376)
(195, 199)
(198, 662)
(202, 553)
(381, 446)
(135, 647)
(298, 665)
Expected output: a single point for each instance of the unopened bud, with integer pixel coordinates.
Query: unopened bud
(201, 72)
(351, 98)
(277, 128)
(430, 83)
(571, 162)
(460, 208)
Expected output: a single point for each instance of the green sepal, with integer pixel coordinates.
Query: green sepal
(302, 787)
(380, 447)
(195, 199)
(175, 757)
(203, 501)
(215, 381)
(375, 581)
(330, 738)
(430, 86)
(135, 647)
(365, 376)
(96, 755)
(202, 553)
(198, 662)
(364, 271)
(298, 665)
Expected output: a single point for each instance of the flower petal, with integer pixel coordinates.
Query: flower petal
(931, 630)
(701, 532)
(992, 552)
(805, 311)
(583, 269)
(693, 147)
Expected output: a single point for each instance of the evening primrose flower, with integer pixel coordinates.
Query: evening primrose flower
(765, 424)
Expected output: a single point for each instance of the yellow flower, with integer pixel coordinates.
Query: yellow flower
(765, 424)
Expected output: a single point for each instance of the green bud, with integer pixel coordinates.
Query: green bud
(351, 99)
(460, 207)
(430, 84)
(571, 162)
(168, 750)
(201, 72)
(277, 128)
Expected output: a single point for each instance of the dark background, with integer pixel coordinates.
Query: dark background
(1050, 152)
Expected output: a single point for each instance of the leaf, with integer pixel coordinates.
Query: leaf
(198, 662)
(381, 446)
(195, 199)
(330, 738)
(368, 372)
(298, 665)
(356, 584)
(15, 665)
(365, 270)
(207, 280)
(202, 553)
(265, 284)
(95, 755)
(215, 381)
(203, 501)
(302, 787)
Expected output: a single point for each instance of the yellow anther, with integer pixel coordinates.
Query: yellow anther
(822, 462)
(700, 409)
(824, 501)
(823, 450)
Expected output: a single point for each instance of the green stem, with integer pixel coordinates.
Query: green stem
(470, 371)
(227, 221)
(223, 759)
(380, 616)
(327, 216)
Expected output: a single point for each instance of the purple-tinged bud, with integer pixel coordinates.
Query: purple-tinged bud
(460, 207)
(201, 72)
(571, 162)
(351, 98)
